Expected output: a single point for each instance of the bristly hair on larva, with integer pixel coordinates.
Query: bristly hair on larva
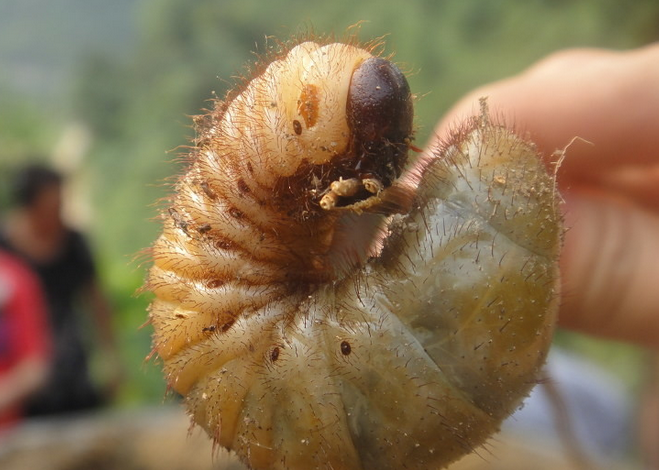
(320, 302)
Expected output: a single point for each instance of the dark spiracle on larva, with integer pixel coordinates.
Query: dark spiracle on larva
(321, 306)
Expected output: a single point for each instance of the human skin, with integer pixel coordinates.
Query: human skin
(601, 107)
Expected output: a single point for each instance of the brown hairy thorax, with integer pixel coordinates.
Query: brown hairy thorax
(321, 306)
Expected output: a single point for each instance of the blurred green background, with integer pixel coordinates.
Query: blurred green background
(103, 90)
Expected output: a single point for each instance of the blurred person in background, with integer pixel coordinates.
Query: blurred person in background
(36, 232)
(24, 338)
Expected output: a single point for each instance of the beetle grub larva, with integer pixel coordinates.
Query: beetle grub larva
(307, 229)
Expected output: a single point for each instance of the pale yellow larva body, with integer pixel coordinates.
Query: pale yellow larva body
(298, 339)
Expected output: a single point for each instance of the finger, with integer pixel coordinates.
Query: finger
(610, 269)
(640, 184)
(606, 98)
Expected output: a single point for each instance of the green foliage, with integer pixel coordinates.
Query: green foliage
(25, 134)
(136, 81)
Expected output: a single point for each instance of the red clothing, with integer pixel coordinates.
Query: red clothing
(24, 328)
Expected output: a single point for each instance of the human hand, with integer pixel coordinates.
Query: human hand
(609, 178)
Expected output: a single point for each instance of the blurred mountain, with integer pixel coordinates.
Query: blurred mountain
(42, 41)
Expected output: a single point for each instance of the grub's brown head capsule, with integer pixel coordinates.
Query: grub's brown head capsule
(299, 337)
(380, 115)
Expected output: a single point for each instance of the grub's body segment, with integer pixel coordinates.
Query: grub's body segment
(297, 348)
